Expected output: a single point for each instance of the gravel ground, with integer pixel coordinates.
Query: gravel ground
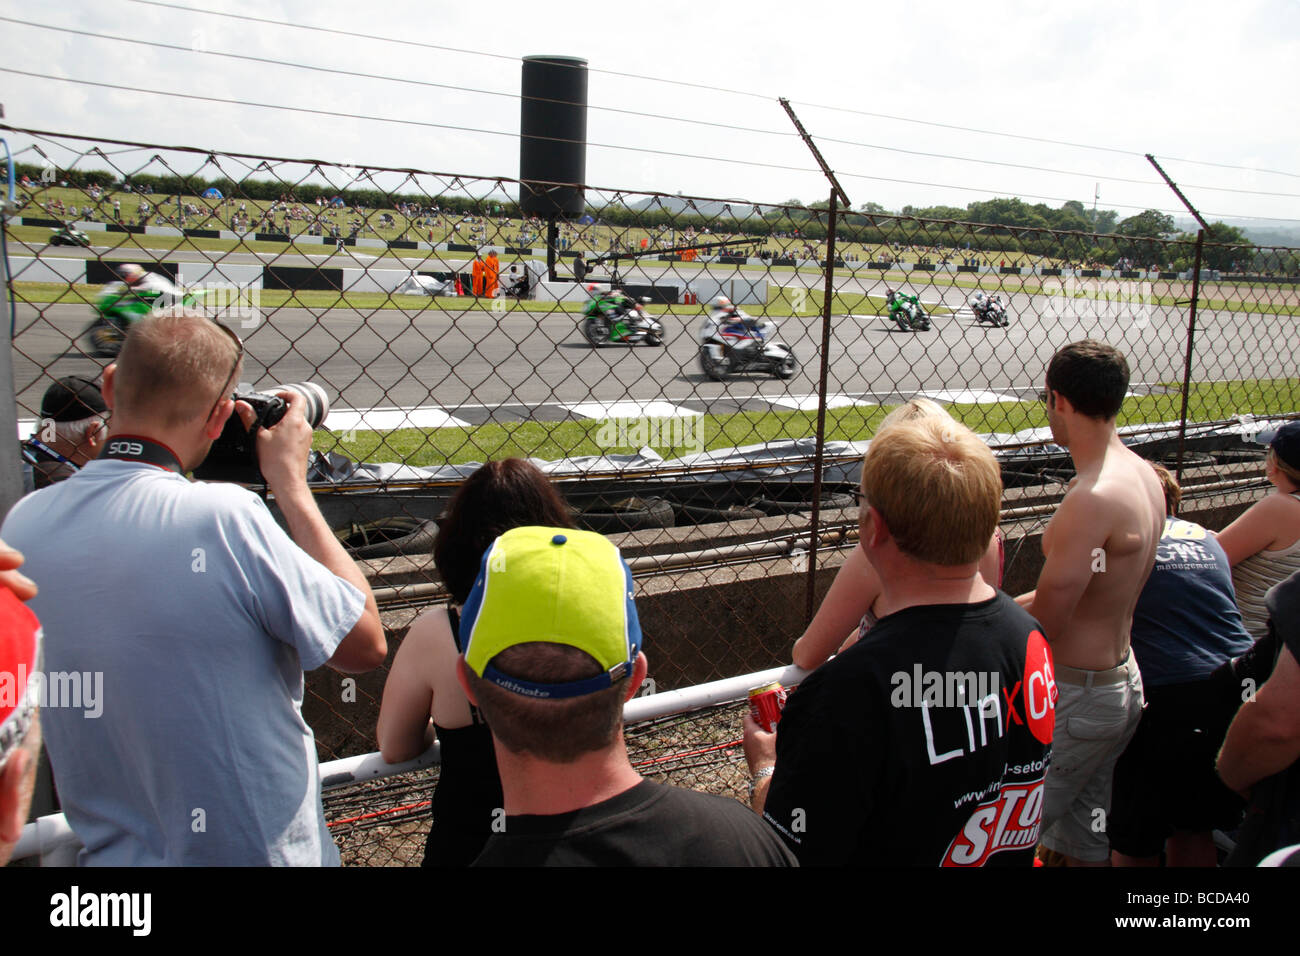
(384, 822)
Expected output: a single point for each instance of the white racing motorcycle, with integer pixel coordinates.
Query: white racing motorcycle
(731, 342)
(989, 308)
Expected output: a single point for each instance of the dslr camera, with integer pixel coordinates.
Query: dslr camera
(234, 455)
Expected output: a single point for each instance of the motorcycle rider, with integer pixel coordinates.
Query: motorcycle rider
(138, 286)
(120, 303)
(728, 316)
(611, 308)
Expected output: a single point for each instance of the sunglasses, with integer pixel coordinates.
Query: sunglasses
(859, 498)
(234, 367)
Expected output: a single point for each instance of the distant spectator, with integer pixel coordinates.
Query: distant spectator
(1264, 543)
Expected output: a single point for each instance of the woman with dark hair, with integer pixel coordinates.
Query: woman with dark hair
(422, 699)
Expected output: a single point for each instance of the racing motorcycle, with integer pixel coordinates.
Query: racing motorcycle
(989, 309)
(67, 236)
(617, 319)
(731, 342)
(907, 312)
(119, 306)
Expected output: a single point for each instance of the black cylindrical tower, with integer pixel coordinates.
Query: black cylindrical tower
(553, 136)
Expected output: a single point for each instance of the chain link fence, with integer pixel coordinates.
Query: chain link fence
(449, 330)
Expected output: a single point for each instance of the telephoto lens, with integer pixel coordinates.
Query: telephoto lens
(316, 404)
(233, 456)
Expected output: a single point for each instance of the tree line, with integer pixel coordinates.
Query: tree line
(1072, 233)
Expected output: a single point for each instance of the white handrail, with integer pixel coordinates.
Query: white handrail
(52, 839)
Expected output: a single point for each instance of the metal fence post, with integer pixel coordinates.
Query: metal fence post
(827, 301)
(1191, 315)
(1190, 351)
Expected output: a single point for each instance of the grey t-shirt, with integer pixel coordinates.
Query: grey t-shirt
(184, 617)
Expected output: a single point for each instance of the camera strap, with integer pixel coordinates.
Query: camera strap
(136, 448)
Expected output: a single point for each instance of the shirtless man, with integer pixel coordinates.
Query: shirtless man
(1099, 549)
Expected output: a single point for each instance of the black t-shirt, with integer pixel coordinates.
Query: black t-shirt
(651, 824)
(926, 743)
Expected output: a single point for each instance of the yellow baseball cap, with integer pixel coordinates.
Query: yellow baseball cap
(552, 586)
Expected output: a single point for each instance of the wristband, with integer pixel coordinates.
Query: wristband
(759, 774)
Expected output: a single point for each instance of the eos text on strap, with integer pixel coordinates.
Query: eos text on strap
(136, 448)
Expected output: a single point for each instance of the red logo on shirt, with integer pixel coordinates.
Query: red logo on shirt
(1009, 821)
(1040, 688)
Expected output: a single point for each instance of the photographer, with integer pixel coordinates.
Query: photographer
(200, 614)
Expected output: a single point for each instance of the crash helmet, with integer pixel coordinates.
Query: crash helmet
(722, 302)
(130, 273)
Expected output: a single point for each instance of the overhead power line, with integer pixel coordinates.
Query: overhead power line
(638, 113)
(357, 74)
(403, 122)
(686, 83)
(353, 35)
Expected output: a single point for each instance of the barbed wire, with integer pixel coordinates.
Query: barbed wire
(867, 176)
(1046, 169)
(1060, 199)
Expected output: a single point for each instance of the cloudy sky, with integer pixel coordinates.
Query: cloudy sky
(980, 86)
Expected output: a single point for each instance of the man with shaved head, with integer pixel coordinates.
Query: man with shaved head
(199, 614)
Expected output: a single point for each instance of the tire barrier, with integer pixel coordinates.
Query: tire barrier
(627, 514)
(389, 538)
(1237, 456)
(796, 498)
(1191, 459)
(700, 514)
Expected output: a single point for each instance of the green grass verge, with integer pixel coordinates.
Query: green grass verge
(554, 440)
(781, 303)
(128, 246)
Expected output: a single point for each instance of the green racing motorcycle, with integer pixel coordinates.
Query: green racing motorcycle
(120, 304)
(907, 312)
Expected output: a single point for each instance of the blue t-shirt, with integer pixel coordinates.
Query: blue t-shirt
(184, 616)
(1187, 623)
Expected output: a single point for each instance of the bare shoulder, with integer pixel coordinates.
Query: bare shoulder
(1086, 500)
(1131, 484)
(428, 642)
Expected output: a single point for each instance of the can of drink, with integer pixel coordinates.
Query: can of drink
(766, 704)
